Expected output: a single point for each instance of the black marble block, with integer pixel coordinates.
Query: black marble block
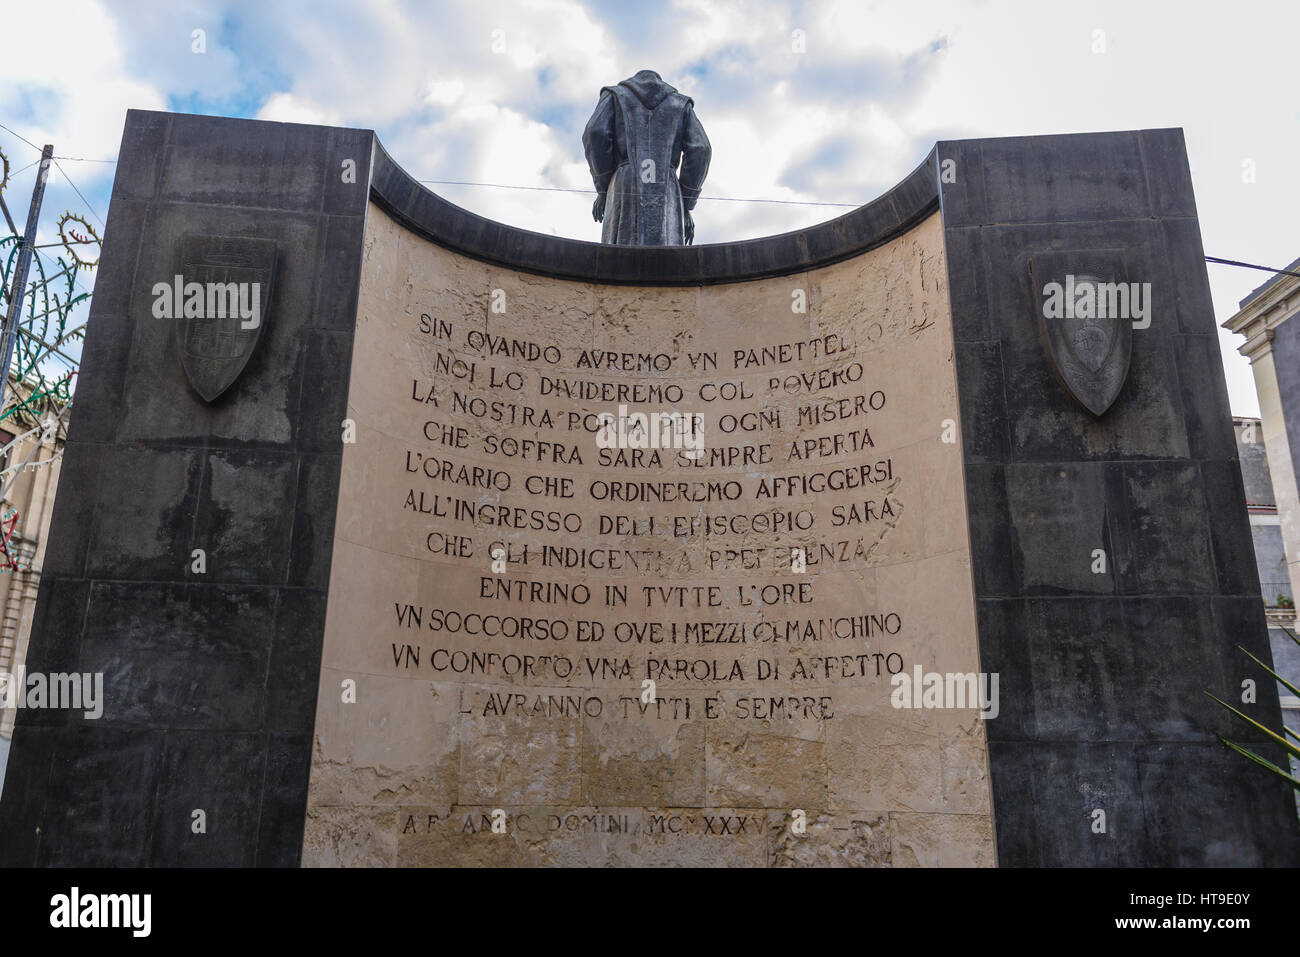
(210, 679)
(1103, 674)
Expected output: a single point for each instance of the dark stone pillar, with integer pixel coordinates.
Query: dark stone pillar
(1102, 675)
(209, 679)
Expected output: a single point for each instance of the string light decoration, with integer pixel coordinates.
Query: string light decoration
(43, 371)
(15, 469)
(84, 236)
(44, 359)
(9, 563)
(40, 435)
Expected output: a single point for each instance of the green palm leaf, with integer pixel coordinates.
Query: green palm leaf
(1291, 748)
(1258, 760)
(1293, 688)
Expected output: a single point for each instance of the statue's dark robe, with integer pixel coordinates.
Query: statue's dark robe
(643, 118)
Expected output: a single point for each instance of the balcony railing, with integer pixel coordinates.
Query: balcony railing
(1277, 594)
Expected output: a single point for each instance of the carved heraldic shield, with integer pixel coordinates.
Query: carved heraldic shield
(216, 346)
(1085, 322)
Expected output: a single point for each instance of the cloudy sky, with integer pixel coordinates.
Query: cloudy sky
(488, 91)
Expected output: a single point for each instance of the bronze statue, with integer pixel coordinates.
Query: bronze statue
(641, 130)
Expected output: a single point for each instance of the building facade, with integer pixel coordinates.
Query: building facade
(1268, 319)
(30, 456)
(1269, 448)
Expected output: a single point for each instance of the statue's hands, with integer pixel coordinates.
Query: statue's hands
(598, 209)
(690, 228)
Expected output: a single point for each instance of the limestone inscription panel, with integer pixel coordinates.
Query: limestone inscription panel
(628, 575)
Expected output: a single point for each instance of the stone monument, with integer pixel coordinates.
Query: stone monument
(524, 550)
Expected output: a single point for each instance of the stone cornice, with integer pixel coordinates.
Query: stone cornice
(1258, 318)
(429, 215)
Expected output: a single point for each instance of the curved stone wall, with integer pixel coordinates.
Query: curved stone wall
(429, 215)
(825, 395)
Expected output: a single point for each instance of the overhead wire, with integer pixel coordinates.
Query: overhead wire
(563, 189)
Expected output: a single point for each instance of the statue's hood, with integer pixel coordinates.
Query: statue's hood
(649, 88)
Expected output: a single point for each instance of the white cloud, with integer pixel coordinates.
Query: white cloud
(851, 116)
(74, 69)
(288, 108)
